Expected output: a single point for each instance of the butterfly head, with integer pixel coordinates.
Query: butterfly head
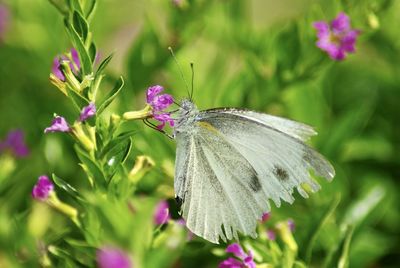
(186, 115)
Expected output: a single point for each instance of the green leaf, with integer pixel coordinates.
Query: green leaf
(91, 167)
(92, 52)
(116, 153)
(75, 5)
(66, 187)
(91, 10)
(344, 259)
(78, 100)
(329, 212)
(80, 25)
(103, 65)
(111, 95)
(79, 45)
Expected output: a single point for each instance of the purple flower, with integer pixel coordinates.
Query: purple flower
(265, 216)
(109, 257)
(336, 38)
(15, 143)
(271, 235)
(158, 103)
(246, 260)
(42, 188)
(75, 65)
(4, 19)
(59, 124)
(87, 112)
(163, 119)
(161, 214)
(291, 225)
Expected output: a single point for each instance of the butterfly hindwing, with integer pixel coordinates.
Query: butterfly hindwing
(222, 192)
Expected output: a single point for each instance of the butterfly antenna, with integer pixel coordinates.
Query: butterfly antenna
(191, 93)
(180, 70)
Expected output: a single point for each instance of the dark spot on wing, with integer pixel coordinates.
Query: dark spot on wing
(179, 202)
(255, 184)
(280, 173)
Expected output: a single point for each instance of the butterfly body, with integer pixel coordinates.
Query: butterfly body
(231, 162)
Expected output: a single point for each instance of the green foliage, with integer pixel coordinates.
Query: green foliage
(252, 54)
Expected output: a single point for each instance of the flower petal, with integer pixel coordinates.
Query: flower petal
(42, 188)
(109, 257)
(59, 124)
(87, 112)
(152, 92)
(237, 250)
(161, 214)
(341, 23)
(230, 263)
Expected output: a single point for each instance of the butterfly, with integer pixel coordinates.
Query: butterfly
(231, 162)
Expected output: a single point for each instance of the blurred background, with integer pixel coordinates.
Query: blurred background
(254, 54)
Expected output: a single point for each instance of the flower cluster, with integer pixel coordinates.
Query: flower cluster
(158, 104)
(60, 124)
(15, 143)
(244, 260)
(74, 64)
(336, 38)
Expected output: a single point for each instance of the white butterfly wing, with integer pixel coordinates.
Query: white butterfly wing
(220, 190)
(234, 162)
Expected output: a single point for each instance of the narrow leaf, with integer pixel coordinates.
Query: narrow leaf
(78, 100)
(80, 25)
(111, 95)
(79, 45)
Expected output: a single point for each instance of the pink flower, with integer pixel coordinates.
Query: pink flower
(15, 143)
(75, 64)
(59, 124)
(161, 214)
(265, 217)
(291, 225)
(109, 257)
(42, 188)
(87, 112)
(163, 119)
(336, 38)
(158, 104)
(246, 260)
(271, 235)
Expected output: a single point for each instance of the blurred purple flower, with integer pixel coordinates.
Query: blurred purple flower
(291, 225)
(109, 257)
(42, 188)
(158, 103)
(59, 124)
(161, 214)
(87, 112)
(246, 260)
(4, 19)
(265, 216)
(15, 143)
(336, 38)
(75, 65)
(271, 235)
